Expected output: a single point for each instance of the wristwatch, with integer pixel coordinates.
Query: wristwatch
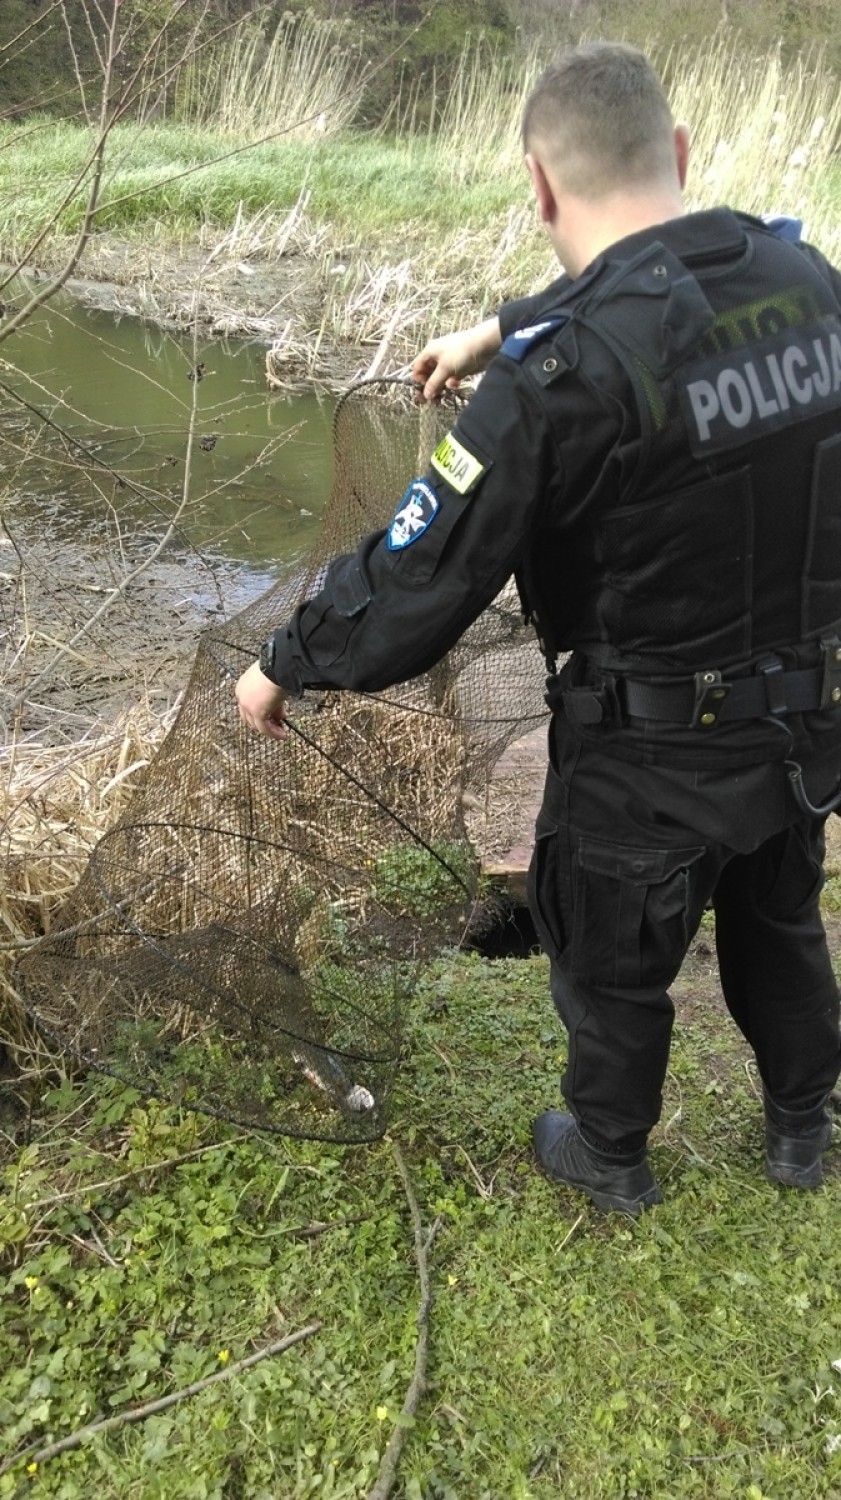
(266, 660)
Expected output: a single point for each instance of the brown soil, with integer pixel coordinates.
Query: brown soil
(142, 648)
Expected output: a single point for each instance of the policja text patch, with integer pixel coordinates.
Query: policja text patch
(735, 397)
(457, 464)
(415, 514)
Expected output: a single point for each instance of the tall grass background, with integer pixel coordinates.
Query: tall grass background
(309, 75)
(439, 192)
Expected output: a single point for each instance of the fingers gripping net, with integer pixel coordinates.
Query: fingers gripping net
(245, 940)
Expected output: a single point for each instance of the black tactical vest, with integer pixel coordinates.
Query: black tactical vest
(725, 542)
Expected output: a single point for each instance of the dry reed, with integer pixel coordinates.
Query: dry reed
(764, 135)
(309, 71)
(55, 805)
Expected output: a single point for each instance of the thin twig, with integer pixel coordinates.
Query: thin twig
(13, 46)
(140, 1413)
(568, 1236)
(311, 1231)
(391, 1457)
(94, 164)
(485, 1189)
(97, 1248)
(120, 588)
(85, 1188)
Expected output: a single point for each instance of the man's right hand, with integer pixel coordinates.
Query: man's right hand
(445, 361)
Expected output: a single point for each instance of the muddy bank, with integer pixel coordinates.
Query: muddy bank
(280, 301)
(139, 649)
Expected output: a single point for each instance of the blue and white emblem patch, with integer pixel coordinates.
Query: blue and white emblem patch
(415, 514)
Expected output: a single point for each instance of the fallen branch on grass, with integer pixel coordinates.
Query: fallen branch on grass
(38, 1455)
(391, 1457)
(84, 1189)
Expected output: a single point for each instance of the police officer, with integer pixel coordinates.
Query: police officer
(655, 453)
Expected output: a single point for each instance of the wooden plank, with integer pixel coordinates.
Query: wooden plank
(514, 796)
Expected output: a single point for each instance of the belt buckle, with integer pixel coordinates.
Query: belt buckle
(710, 696)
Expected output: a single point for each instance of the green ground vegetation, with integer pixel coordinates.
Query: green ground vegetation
(693, 1353)
(172, 173)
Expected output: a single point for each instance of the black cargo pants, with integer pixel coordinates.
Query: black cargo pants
(626, 859)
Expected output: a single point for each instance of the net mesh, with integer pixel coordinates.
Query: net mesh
(246, 939)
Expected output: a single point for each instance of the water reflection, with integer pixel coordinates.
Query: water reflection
(261, 464)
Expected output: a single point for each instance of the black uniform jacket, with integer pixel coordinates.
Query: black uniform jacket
(641, 454)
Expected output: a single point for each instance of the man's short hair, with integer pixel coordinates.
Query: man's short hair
(600, 113)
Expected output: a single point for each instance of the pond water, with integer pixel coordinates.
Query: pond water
(262, 462)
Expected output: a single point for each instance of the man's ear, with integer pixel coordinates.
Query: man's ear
(682, 152)
(543, 191)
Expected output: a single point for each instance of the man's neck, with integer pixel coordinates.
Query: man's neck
(584, 230)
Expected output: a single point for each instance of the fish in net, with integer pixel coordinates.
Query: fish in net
(247, 938)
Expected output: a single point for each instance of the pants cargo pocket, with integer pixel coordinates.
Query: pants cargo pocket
(632, 922)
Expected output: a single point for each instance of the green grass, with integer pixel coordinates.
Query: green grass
(689, 1354)
(356, 183)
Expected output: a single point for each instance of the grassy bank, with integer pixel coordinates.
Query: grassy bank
(403, 229)
(691, 1354)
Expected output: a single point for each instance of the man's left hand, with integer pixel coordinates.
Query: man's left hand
(261, 703)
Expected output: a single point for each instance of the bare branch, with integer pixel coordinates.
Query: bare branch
(95, 162)
(94, 38)
(126, 97)
(38, 101)
(391, 1458)
(76, 69)
(66, 648)
(192, 47)
(13, 46)
(149, 1408)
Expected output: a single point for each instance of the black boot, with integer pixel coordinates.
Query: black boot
(613, 1183)
(794, 1142)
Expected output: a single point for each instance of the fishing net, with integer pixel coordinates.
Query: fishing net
(246, 939)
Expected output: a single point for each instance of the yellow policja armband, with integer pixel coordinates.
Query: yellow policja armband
(457, 464)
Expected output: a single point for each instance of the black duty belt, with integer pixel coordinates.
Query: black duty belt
(708, 698)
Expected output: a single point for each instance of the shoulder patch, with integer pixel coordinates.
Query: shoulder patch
(414, 515)
(455, 463)
(517, 345)
(784, 227)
